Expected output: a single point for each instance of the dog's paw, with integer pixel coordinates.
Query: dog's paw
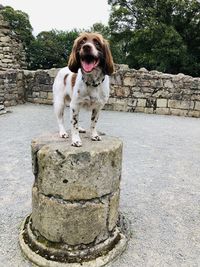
(81, 130)
(64, 135)
(96, 138)
(76, 140)
(76, 143)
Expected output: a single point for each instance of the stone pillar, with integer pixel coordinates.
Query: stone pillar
(75, 200)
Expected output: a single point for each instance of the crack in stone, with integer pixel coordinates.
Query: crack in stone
(59, 198)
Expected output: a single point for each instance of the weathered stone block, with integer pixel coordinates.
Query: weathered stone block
(138, 94)
(168, 84)
(43, 94)
(72, 223)
(116, 79)
(6, 49)
(91, 171)
(141, 102)
(144, 83)
(162, 103)
(36, 94)
(122, 92)
(40, 101)
(178, 104)
(50, 96)
(6, 60)
(129, 81)
(196, 96)
(149, 110)
(147, 89)
(178, 112)
(156, 83)
(178, 77)
(197, 105)
(20, 75)
(194, 113)
(162, 111)
(140, 109)
(113, 210)
(120, 105)
(5, 39)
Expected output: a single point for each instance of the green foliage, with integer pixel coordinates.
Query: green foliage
(48, 49)
(157, 34)
(51, 49)
(159, 47)
(101, 28)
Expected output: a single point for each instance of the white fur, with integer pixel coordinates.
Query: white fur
(81, 96)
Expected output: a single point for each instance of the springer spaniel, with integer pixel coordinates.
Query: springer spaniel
(84, 83)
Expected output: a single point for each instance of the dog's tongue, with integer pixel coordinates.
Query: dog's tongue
(88, 67)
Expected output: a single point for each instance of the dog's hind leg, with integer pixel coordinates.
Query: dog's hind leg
(74, 115)
(95, 115)
(59, 106)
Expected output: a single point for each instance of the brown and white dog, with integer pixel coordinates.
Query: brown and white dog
(84, 83)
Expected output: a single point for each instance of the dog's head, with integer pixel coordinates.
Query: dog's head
(91, 50)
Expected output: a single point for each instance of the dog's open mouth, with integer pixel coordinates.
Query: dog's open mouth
(89, 63)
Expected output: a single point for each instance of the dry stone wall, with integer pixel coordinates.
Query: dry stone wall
(12, 54)
(38, 85)
(131, 90)
(154, 92)
(12, 58)
(11, 88)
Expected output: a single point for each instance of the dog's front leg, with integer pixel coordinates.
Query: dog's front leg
(74, 114)
(94, 119)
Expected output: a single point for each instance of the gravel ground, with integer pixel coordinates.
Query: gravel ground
(160, 193)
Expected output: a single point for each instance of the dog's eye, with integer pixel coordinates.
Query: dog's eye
(83, 41)
(96, 43)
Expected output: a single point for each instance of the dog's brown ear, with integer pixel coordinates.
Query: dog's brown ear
(109, 64)
(74, 62)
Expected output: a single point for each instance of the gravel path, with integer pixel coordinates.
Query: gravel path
(160, 185)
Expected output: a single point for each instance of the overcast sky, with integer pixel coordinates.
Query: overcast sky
(62, 14)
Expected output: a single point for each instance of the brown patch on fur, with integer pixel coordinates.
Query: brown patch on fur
(65, 79)
(67, 99)
(73, 80)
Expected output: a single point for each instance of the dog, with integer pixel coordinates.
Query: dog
(84, 83)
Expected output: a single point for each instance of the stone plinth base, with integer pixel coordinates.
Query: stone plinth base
(75, 199)
(47, 254)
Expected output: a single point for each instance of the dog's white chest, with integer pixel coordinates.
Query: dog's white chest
(91, 99)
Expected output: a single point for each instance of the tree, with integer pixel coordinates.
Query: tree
(102, 29)
(159, 47)
(158, 34)
(51, 49)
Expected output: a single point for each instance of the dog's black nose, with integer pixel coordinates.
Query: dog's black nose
(86, 47)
